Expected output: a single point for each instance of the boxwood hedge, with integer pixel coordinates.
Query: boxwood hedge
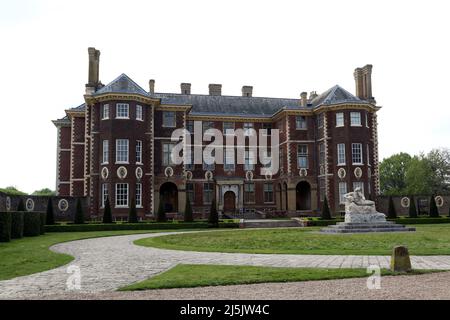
(16, 225)
(5, 226)
(31, 224)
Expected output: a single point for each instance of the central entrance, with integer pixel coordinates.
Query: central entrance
(229, 202)
(303, 196)
(168, 194)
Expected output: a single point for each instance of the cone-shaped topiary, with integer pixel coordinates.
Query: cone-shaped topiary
(79, 214)
(326, 215)
(188, 215)
(392, 213)
(21, 205)
(434, 212)
(213, 219)
(132, 216)
(50, 219)
(107, 215)
(161, 214)
(412, 208)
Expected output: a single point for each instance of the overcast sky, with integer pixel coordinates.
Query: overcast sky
(279, 47)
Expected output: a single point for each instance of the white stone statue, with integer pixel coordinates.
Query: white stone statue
(360, 210)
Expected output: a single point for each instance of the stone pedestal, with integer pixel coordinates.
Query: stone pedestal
(400, 261)
(351, 227)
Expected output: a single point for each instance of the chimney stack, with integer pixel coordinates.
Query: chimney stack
(185, 88)
(247, 91)
(93, 72)
(304, 99)
(363, 83)
(151, 86)
(215, 89)
(312, 95)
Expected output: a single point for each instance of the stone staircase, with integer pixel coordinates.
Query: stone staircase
(268, 223)
(345, 227)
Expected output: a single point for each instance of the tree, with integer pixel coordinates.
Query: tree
(79, 214)
(213, 218)
(439, 160)
(21, 205)
(419, 176)
(44, 192)
(412, 208)
(188, 215)
(393, 173)
(50, 214)
(12, 191)
(107, 215)
(392, 213)
(132, 216)
(434, 212)
(326, 215)
(161, 214)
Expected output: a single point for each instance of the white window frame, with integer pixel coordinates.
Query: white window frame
(139, 113)
(167, 154)
(267, 191)
(120, 151)
(300, 124)
(340, 120)
(247, 127)
(368, 154)
(367, 119)
(249, 163)
(139, 151)
(355, 119)
(105, 152)
(122, 111)
(302, 155)
(105, 112)
(249, 189)
(357, 184)
(354, 149)
(342, 191)
(138, 195)
(165, 118)
(104, 194)
(341, 159)
(208, 191)
(229, 163)
(225, 129)
(122, 195)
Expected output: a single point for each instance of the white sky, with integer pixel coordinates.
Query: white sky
(279, 47)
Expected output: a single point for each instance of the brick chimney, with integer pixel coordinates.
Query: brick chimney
(185, 88)
(215, 89)
(247, 91)
(93, 72)
(151, 86)
(303, 99)
(363, 83)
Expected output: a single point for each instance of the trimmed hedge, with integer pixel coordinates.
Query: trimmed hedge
(16, 225)
(43, 222)
(5, 226)
(135, 226)
(323, 223)
(424, 220)
(31, 224)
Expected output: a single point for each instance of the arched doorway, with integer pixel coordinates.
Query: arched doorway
(168, 194)
(303, 196)
(229, 202)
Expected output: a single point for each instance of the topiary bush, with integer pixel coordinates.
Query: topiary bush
(21, 205)
(79, 214)
(213, 219)
(326, 215)
(434, 212)
(132, 216)
(412, 208)
(50, 219)
(188, 215)
(31, 224)
(43, 216)
(5, 226)
(107, 215)
(16, 225)
(161, 214)
(392, 213)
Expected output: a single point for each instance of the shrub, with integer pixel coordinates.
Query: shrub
(16, 225)
(31, 224)
(132, 217)
(326, 215)
(79, 214)
(5, 226)
(434, 212)
(107, 215)
(412, 208)
(43, 216)
(21, 205)
(188, 215)
(50, 219)
(392, 213)
(213, 219)
(161, 214)
(421, 220)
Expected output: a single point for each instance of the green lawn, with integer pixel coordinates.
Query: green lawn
(189, 276)
(427, 240)
(31, 254)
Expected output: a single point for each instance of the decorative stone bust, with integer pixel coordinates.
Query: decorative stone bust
(360, 210)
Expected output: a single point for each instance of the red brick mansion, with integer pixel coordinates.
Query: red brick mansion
(117, 144)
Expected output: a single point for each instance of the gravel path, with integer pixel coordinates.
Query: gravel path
(106, 264)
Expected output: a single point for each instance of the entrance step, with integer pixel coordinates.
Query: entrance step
(268, 223)
(344, 227)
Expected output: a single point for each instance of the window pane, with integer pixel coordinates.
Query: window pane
(122, 194)
(355, 118)
(138, 195)
(105, 151)
(122, 150)
(341, 153)
(169, 119)
(339, 119)
(300, 122)
(357, 153)
(139, 114)
(122, 110)
(342, 191)
(139, 151)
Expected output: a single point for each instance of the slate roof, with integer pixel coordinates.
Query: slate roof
(230, 105)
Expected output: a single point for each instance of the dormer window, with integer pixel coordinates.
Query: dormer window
(122, 111)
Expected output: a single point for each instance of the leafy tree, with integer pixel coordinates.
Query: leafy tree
(412, 208)
(393, 173)
(21, 205)
(188, 215)
(392, 213)
(132, 216)
(161, 214)
(326, 215)
(44, 192)
(213, 218)
(439, 160)
(434, 212)
(50, 214)
(107, 215)
(13, 191)
(419, 176)
(79, 214)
